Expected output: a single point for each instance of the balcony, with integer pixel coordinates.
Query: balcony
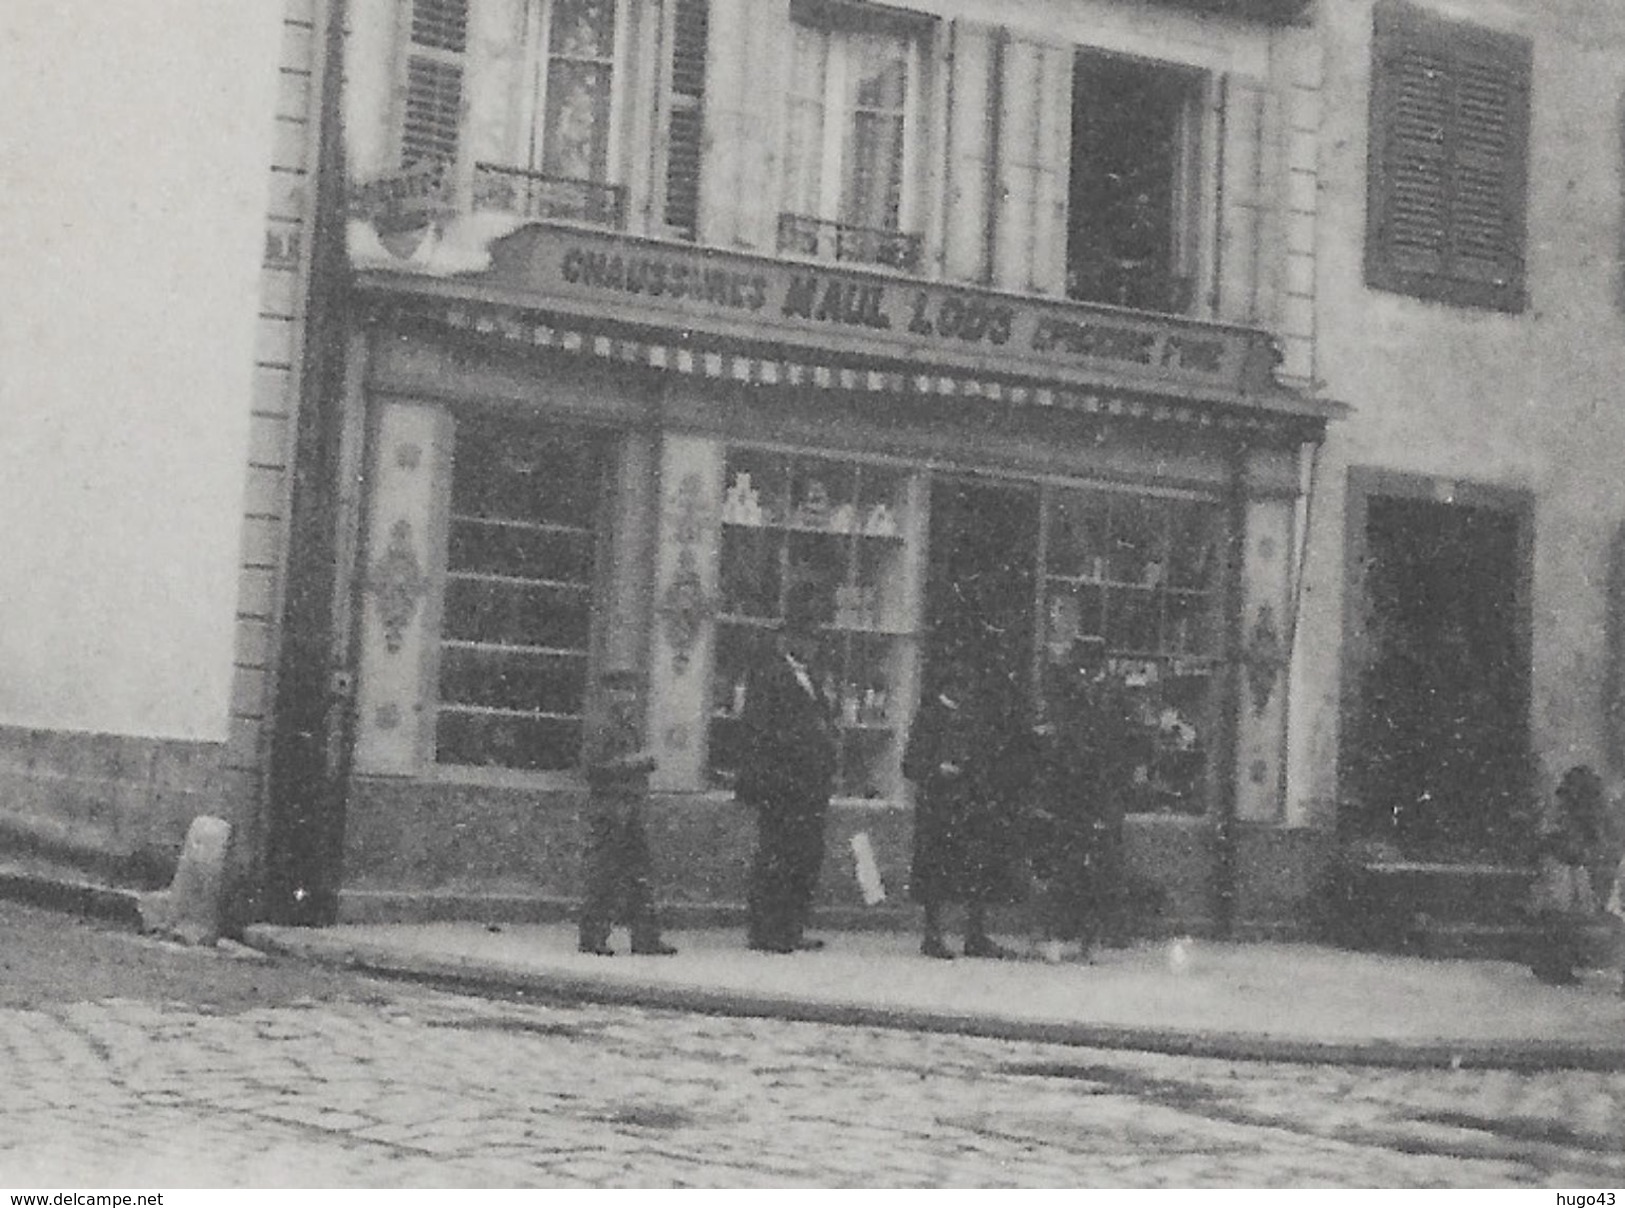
(1136, 284)
(530, 194)
(803, 235)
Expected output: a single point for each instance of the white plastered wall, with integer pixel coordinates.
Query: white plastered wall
(134, 141)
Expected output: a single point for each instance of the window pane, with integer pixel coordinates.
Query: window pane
(1138, 540)
(1077, 535)
(874, 172)
(529, 744)
(558, 555)
(872, 183)
(1140, 571)
(1131, 621)
(752, 565)
(577, 143)
(504, 473)
(841, 530)
(497, 679)
(516, 621)
(508, 613)
(1191, 546)
(878, 72)
(583, 29)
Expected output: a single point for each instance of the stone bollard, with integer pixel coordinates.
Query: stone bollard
(192, 908)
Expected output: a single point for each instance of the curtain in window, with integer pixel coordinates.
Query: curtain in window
(877, 85)
(580, 66)
(804, 136)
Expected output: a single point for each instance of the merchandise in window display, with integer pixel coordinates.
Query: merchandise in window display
(1137, 571)
(832, 532)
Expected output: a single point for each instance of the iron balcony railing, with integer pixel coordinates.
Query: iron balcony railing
(535, 195)
(1136, 284)
(803, 235)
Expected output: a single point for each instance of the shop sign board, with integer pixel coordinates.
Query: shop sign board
(838, 311)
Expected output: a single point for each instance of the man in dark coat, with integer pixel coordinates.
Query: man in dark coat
(787, 773)
(1093, 744)
(963, 833)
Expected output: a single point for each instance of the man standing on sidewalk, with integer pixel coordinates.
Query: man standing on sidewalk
(787, 773)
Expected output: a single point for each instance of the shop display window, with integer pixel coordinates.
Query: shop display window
(1141, 572)
(516, 633)
(843, 529)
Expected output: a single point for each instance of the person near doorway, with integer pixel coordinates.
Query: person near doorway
(963, 827)
(619, 872)
(1564, 897)
(1095, 744)
(787, 774)
(1060, 832)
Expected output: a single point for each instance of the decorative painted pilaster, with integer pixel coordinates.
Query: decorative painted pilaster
(685, 598)
(1266, 619)
(402, 567)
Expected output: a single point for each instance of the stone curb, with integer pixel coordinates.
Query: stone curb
(72, 897)
(470, 974)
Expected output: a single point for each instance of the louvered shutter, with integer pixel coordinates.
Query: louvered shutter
(1447, 174)
(968, 207)
(431, 115)
(685, 127)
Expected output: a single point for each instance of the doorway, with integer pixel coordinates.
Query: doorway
(1435, 751)
(982, 587)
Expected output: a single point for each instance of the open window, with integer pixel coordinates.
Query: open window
(522, 95)
(852, 129)
(1132, 198)
(561, 165)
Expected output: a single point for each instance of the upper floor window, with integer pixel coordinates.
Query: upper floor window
(1131, 213)
(1447, 162)
(850, 136)
(537, 121)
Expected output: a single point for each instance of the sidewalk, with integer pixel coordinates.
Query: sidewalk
(1291, 1002)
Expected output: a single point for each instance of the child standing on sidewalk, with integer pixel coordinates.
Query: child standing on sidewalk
(619, 871)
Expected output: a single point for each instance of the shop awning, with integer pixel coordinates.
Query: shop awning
(767, 322)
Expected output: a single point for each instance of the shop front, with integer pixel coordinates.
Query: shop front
(602, 451)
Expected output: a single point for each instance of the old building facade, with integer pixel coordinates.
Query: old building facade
(1268, 341)
(967, 316)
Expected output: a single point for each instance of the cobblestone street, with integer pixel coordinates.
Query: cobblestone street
(397, 1085)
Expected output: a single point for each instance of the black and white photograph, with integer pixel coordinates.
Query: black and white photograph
(810, 594)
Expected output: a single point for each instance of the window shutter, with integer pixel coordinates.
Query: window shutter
(1246, 110)
(743, 119)
(432, 112)
(1034, 146)
(691, 26)
(971, 145)
(1447, 167)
